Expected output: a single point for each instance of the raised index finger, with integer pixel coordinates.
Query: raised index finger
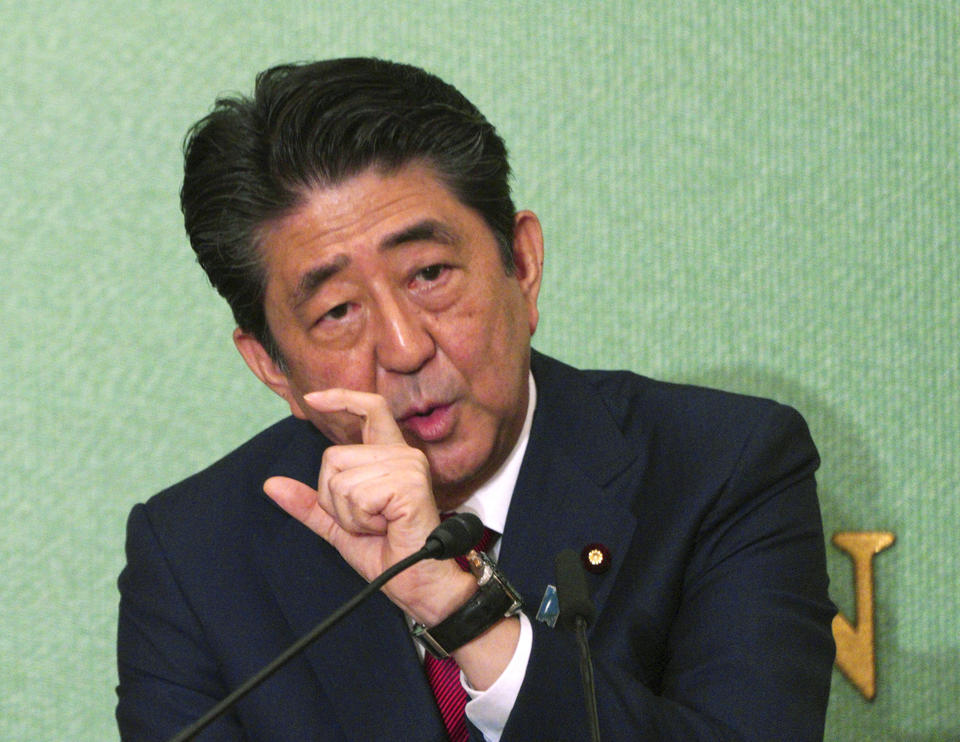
(379, 427)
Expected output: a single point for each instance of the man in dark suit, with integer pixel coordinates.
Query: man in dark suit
(356, 216)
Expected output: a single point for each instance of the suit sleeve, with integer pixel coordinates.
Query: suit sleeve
(167, 677)
(749, 651)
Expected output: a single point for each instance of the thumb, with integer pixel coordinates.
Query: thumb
(300, 501)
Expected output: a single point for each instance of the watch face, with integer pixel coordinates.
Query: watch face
(480, 565)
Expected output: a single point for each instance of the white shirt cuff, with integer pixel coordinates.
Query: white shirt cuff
(488, 710)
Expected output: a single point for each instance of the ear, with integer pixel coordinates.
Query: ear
(528, 260)
(266, 369)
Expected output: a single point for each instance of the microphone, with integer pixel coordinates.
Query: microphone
(576, 613)
(452, 538)
(455, 536)
(573, 593)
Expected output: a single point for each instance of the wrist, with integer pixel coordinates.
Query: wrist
(443, 596)
(485, 659)
(493, 600)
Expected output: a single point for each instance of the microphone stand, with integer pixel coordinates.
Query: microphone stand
(576, 612)
(586, 678)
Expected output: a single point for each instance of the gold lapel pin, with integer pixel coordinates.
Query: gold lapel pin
(595, 558)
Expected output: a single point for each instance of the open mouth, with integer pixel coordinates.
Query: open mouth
(431, 424)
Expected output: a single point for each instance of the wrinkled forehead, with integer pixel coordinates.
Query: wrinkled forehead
(343, 199)
(366, 217)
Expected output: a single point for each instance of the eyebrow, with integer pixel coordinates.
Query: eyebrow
(428, 230)
(315, 277)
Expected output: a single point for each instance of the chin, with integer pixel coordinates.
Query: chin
(454, 481)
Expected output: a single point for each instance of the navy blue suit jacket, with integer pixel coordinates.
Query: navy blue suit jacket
(713, 620)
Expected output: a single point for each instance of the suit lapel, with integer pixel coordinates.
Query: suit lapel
(571, 487)
(310, 581)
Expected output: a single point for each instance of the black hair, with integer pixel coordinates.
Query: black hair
(313, 125)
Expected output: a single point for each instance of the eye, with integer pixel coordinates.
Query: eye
(338, 312)
(432, 272)
(436, 284)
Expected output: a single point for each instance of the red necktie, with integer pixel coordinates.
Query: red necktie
(444, 675)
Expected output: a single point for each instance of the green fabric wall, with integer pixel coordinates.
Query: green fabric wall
(754, 195)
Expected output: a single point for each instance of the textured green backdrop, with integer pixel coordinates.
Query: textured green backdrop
(755, 195)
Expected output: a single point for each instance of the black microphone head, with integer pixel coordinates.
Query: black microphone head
(455, 536)
(573, 592)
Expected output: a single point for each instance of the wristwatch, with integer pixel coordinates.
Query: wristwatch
(495, 599)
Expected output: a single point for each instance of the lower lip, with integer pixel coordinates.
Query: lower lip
(433, 427)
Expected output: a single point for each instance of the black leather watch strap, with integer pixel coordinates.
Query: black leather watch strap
(494, 600)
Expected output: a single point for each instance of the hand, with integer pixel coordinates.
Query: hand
(374, 504)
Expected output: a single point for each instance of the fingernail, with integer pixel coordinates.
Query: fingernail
(317, 397)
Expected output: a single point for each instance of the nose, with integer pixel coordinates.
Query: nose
(403, 342)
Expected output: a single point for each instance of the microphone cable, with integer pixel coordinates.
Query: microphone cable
(455, 536)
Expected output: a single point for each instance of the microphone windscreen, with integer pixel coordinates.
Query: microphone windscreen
(573, 592)
(455, 536)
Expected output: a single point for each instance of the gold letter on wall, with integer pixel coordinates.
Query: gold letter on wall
(855, 645)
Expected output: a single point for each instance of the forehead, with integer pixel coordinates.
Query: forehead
(352, 231)
(368, 210)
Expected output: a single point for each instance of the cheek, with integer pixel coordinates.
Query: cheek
(340, 427)
(315, 370)
(498, 321)
(491, 349)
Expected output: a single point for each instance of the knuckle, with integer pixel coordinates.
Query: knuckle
(335, 485)
(329, 456)
(415, 454)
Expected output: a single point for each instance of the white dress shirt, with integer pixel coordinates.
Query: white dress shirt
(488, 710)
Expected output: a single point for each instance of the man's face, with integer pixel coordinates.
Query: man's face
(389, 284)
